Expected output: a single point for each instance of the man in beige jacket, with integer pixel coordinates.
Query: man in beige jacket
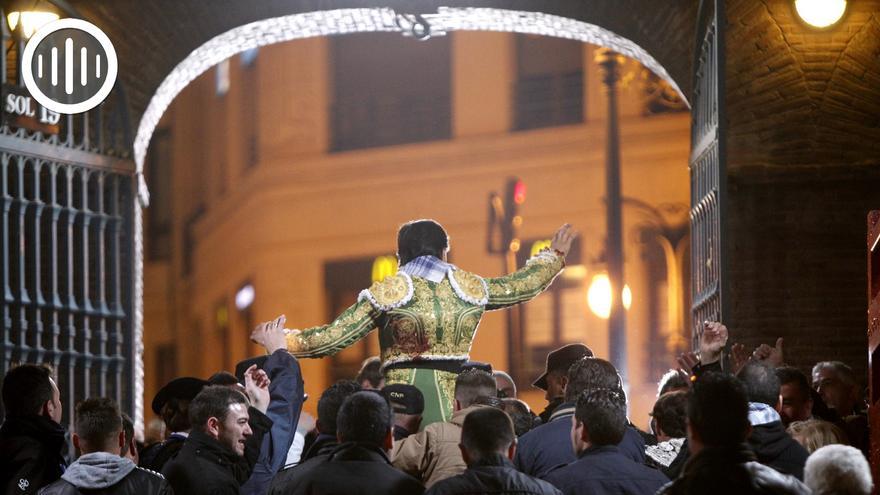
(433, 454)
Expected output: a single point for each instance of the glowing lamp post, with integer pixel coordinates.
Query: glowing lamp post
(600, 298)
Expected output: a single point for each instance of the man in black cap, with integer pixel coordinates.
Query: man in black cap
(171, 403)
(555, 376)
(408, 404)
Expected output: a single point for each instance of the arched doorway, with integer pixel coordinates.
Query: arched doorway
(495, 19)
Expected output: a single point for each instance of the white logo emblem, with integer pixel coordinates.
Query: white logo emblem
(69, 66)
(23, 484)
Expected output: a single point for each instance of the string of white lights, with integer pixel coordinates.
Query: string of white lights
(336, 22)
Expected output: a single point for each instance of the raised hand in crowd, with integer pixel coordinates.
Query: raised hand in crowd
(712, 342)
(711, 345)
(687, 361)
(271, 334)
(772, 356)
(739, 356)
(256, 384)
(563, 238)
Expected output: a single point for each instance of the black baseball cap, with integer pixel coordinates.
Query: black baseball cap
(405, 399)
(562, 359)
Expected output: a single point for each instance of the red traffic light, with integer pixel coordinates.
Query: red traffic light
(519, 192)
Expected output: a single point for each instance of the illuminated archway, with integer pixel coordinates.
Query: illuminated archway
(336, 22)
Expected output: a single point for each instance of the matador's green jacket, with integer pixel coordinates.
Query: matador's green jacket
(420, 321)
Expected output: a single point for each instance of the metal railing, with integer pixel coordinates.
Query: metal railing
(68, 252)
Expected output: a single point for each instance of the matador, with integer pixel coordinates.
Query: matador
(428, 312)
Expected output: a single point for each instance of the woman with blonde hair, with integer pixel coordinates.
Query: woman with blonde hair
(814, 434)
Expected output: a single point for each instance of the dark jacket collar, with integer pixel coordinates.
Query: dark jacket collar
(206, 445)
(356, 451)
(323, 444)
(38, 427)
(709, 456)
(599, 449)
(564, 410)
(492, 460)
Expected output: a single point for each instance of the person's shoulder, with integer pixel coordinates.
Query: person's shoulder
(59, 487)
(560, 474)
(144, 473)
(650, 473)
(460, 483)
(539, 485)
(540, 432)
(391, 292)
(469, 287)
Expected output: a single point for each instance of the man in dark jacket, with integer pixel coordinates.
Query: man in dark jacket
(555, 376)
(328, 410)
(488, 442)
(172, 404)
(100, 437)
(548, 446)
(721, 463)
(599, 425)
(207, 464)
(769, 440)
(359, 464)
(31, 438)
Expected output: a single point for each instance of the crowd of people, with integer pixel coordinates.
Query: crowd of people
(747, 424)
(423, 418)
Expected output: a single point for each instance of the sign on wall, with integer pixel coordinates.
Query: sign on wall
(20, 109)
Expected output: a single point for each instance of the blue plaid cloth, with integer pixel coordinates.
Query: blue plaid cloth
(762, 414)
(427, 267)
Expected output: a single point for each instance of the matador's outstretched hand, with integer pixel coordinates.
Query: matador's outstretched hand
(563, 238)
(271, 334)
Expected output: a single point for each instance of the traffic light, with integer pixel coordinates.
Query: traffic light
(515, 196)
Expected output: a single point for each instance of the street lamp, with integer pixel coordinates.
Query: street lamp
(26, 17)
(820, 13)
(600, 299)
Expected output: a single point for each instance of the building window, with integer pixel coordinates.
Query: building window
(250, 113)
(553, 319)
(159, 180)
(549, 82)
(166, 363)
(389, 90)
(343, 281)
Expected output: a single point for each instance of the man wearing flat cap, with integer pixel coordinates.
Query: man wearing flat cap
(171, 403)
(408, 404)
(555, 375)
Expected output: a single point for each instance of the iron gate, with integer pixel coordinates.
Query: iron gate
(68, 249)
(708, 171)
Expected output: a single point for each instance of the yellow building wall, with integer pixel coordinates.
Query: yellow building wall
(277, 223)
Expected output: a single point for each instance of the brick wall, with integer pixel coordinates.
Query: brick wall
(803, 155)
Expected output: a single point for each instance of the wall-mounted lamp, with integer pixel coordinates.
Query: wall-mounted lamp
(820, 13)
(599, 296)
(26, 18)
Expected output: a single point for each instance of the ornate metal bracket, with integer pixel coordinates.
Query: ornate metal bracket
(417, 26)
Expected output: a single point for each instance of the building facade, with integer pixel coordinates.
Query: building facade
(279, 179)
